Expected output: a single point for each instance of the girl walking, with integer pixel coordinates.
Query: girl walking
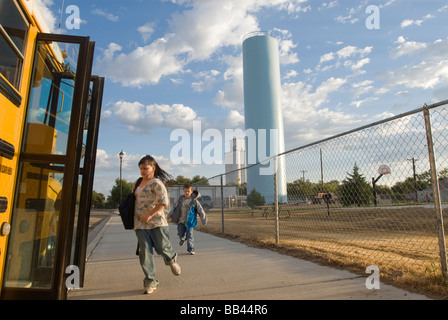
(150, 223)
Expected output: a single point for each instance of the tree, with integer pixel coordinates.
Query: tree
(181, 180)
(114, 199)
(243, 189)
(200, 180)
(255, 199)
(331, 186)
(355, 189)
(402, 189)
(300, 187)
(98, 200)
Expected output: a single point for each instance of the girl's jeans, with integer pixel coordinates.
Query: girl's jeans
(183, 231)
(158, 239)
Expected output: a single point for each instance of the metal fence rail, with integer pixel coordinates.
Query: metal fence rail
(371, 196)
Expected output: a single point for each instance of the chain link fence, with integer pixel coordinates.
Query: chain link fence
(371, 196)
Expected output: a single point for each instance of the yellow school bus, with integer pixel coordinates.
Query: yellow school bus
(49, 117)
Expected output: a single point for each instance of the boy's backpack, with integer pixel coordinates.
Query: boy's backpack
(192, 220)
(127, 208)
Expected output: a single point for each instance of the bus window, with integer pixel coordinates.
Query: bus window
(13, 31)
(51, 99)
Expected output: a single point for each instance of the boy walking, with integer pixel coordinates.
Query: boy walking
(184, 214)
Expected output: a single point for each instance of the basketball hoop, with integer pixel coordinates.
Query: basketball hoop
(384, 170)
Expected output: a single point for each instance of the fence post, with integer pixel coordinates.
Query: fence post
(222, 205)
(277, 235)
(436, 189)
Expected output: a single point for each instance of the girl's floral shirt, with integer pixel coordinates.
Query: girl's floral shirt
(147, 197)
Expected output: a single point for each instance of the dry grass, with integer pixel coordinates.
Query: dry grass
(402, 242)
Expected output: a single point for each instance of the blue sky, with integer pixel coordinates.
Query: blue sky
(168, 63)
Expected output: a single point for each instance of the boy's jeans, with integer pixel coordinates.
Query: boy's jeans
(158, 239)
(181, 231)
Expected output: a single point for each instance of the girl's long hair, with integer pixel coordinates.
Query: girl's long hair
(159, 173)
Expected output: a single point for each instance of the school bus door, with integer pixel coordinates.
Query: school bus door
(55, 170)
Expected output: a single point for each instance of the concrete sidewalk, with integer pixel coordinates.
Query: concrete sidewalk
(220, 270)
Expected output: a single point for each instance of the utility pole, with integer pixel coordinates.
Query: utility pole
(121, 155)
(415, 177)
(321, 171)
(303, 175)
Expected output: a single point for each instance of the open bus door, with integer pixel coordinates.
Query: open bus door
(53, 189)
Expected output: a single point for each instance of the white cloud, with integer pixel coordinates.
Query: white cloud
(306, 116)
(146, 31)
(307, 71)
(406, 47)
(388, 3)
(234, 120)
(291, 74)
(349, 51)
(432, 71)
(362, 88)
(407, 23)
(328, 5)
(198, 32)
(107, 169)
(342, 56)
(208, 79)
(358, 103)
(141, 119)
(287, 56)
(50, 18)
(103, 160)
(417, 22)
(443, 9)
(362, 84)
(144, 66)
(386, 115)
(286, 46)
(327, 57)
(361, 63)
(293, 7)
(350, 17)
(232, 94)
(107, 15)
(424, 75)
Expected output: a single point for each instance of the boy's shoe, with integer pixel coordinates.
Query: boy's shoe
(191, 253)
(149, 290)
(181, 242)
(175, 269)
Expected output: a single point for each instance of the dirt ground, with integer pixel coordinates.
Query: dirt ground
(402, 242)
(97, 216)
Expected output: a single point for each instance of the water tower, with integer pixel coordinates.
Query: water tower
(263, 112)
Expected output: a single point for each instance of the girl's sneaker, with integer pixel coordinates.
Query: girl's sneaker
(191, 253)
(149, 290)
(175, 269)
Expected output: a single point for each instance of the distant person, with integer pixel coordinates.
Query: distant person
(150, 222)
(184, 214)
